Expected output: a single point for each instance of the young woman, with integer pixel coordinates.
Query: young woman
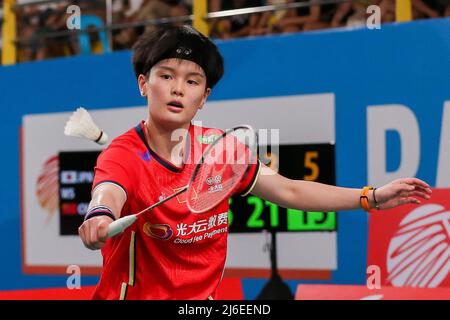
(172, 253)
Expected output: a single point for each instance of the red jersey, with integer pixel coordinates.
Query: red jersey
(169, 252)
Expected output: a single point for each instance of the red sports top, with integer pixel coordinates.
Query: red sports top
(168, 253)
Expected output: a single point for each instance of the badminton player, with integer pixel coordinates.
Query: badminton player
(172, 253)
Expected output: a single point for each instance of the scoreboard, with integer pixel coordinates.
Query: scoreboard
(314, 162)
(76, 174)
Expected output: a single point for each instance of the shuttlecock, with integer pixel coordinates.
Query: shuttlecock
(81, 125)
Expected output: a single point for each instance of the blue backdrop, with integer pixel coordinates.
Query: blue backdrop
(404, 64)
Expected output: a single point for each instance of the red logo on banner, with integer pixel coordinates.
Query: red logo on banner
(47, 185)
(411, 244)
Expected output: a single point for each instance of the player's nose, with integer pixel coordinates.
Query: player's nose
(178, 88)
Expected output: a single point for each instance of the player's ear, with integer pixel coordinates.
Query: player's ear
(142, 82)
(205, 97)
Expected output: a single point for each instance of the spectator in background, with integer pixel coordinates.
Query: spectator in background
(387, 11)
(37, 22)
(27, 23)
(28, 20)
(233, 26)
(54, 20)
(446, 8)
(91, 7)
(153, 9)
(340, 17)
(352, 14)
(359, 16)
(35, 25)
(269, 19)
(306, 18)
(124, 9)
(420, 10)
(214, 24)
(443, 6)
(179, 9)
(326, 12)
(150, 9)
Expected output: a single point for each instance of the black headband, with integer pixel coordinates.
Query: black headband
(185, 52)
(178, 42)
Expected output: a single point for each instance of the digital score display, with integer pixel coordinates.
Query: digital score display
(76, 175)
(313, 162)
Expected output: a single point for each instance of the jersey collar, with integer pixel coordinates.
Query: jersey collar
(170, 166)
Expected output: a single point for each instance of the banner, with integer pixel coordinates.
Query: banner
(346, 292)
(410, 245)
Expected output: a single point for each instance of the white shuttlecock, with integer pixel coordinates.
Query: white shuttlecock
(81, 125)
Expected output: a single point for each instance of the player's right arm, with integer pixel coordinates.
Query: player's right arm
(107, 197)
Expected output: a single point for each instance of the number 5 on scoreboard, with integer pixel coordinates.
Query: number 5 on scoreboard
(309, 157)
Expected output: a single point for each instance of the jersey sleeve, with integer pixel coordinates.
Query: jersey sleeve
(249, 179)
(114, 166)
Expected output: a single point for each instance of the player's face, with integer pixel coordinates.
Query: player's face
(175, 90)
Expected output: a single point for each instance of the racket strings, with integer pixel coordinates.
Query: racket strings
(222, 169)
(211, 188)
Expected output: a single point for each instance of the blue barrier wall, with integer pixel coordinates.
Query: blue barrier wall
(405, 64)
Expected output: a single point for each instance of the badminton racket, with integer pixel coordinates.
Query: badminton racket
(215, 177)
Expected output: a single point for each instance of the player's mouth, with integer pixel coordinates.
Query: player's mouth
(175, 106)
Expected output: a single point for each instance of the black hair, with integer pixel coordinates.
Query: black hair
(180, 42)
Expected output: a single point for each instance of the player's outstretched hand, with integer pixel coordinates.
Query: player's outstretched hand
(402, 191)
(94, 232)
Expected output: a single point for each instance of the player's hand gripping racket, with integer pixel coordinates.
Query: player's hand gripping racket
(215, 177)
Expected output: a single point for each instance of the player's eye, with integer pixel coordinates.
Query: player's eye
(193, 82)
(166, 76)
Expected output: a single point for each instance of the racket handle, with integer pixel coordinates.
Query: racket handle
(116, 227)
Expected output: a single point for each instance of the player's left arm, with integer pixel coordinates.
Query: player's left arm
(314, 196)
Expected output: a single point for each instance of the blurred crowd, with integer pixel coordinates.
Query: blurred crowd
(41, 27)
(317, 16)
